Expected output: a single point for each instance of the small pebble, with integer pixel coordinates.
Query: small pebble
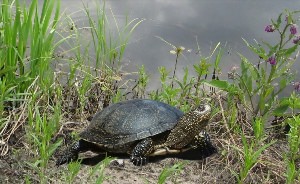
(117, 162)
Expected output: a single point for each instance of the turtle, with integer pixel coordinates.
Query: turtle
(141, 128)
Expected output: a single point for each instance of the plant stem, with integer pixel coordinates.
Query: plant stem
(177, 55)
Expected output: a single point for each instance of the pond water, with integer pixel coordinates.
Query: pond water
(188, 23)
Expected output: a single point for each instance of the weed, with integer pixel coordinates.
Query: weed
(73, 170)
(168, 172)
(100, 168)
(142, 83)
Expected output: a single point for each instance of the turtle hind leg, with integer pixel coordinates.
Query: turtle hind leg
(70, 153)
(140, 152)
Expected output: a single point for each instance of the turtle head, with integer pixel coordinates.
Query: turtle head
(198, 117)
(189, 126)
(195, 120)
(203, 110)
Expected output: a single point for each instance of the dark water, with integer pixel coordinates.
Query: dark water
(188, 23)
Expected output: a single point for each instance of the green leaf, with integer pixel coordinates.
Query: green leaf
(260, 150)
(260, 51)
(269, 91)
(218, 57)
(224, 85)
(278, 22)
(289, 51)
(219, 84)
(167, 172)
(249, 83)
(282, 83)
(280, 110)
(7, 69)
(243, 66)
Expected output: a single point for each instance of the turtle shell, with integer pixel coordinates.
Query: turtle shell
(129, 121)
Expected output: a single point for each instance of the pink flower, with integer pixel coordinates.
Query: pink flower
(270, 28)
(293, 29)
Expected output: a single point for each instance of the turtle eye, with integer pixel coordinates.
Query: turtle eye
(203, 109)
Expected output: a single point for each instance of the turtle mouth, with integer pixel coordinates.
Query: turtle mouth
(203, 109)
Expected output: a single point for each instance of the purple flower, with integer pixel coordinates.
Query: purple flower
(270, 28)
(272, 60)
(293, 29)
(297, 86)
(296, 39)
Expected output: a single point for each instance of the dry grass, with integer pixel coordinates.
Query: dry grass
(216, 168)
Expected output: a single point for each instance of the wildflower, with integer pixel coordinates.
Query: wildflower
(177, 50)
(234, 68)
(297, 86)
(293, 29)
(173, 52)
(296, 39)
(232, 73)
(270, 28)
(272, 60)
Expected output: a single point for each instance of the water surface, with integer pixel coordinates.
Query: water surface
(188, 23)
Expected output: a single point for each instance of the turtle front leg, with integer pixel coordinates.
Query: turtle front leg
(203, 144)
(69, 154)
(201, 140)
(140, 151)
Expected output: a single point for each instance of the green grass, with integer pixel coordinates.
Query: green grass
(36, 99)
(168, 172)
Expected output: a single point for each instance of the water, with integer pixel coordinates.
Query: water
(188, 23)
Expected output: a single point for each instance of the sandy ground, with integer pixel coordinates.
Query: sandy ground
(123, 171)
(213, 166)
(14, 169)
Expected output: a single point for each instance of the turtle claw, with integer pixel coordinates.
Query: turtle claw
(143, 148)
(138, 160)
(65, 159)
(61, 161)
